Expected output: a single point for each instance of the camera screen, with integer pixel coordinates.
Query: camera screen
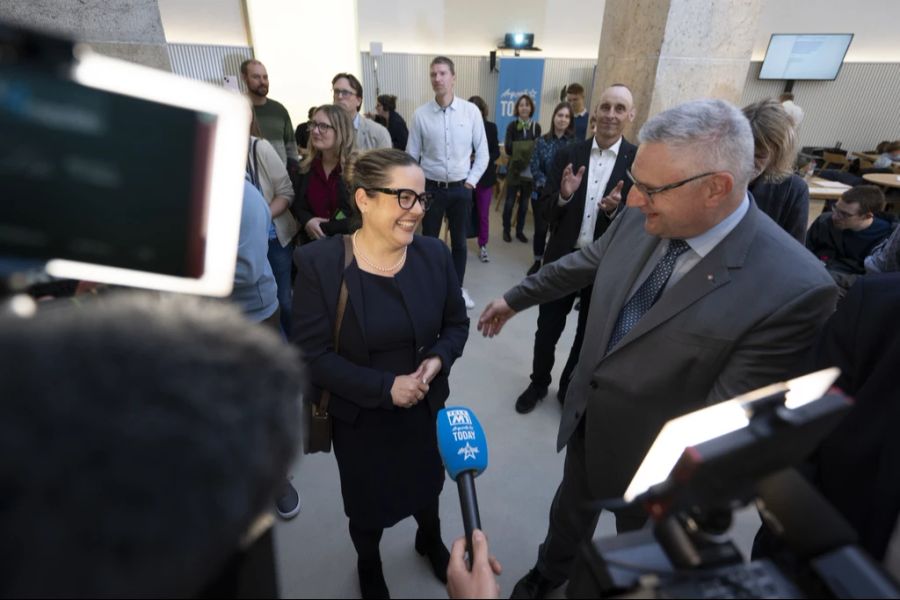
(99, 177)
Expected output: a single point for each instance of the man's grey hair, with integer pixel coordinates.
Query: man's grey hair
(713, 132)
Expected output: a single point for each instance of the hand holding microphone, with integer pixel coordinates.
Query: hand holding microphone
(481, 581)
(464, 452)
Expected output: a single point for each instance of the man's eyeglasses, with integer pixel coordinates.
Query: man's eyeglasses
(339, 93)
(320, 126)
(842, 214)
(407, 198)
(650, 192)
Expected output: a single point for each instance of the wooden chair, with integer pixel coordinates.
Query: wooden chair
(834, 160)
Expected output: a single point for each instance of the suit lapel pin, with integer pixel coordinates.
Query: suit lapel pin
(710, 278)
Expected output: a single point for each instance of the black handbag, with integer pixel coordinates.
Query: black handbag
(318, 435)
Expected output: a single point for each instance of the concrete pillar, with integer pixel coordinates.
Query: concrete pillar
(671, 51)
(125, 29)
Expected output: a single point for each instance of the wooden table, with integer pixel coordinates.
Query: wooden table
(823, 189)
(866, 155)
(885, 179)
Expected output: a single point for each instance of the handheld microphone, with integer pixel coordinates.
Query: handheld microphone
(464, 452)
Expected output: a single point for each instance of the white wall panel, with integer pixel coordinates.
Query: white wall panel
(858, 109)
(208, 63)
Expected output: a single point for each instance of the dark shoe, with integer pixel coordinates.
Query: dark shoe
(371, 579)
(507, 237)
(533, 585)
(521, 237)
(288, 504)
(529, 399)
(534, 268)
(437, 555)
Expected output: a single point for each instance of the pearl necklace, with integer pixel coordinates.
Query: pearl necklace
(366, 259)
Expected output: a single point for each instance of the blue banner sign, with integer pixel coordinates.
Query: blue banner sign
(517, 76)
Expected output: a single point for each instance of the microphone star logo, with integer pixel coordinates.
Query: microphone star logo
(468, 452)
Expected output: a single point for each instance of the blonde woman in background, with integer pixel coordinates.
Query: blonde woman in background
(778, 192)
(321, 204)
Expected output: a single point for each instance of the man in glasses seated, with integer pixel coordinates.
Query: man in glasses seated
(698, 296)
(348, 94)
(843, 238)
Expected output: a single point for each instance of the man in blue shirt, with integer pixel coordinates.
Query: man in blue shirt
(445, 133)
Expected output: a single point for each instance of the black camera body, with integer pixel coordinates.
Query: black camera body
(687, 552)
(114, 172)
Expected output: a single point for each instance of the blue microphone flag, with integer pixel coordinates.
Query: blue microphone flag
(461, 441)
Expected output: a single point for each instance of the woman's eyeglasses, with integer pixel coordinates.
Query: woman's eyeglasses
(320, 126)
(407, 198)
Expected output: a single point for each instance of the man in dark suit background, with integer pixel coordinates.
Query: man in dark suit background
(584, 189)
(856, 466)
(698, 297)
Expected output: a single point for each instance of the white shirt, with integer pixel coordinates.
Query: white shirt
(701, 245)
(600, 166)
(443, 140)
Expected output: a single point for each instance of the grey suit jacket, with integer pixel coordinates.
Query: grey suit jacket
(371, 135)
(742, 318)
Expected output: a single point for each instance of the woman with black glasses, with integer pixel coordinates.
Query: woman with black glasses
(321, 204)
(404, 325)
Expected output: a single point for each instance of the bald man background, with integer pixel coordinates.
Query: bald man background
(588, 181)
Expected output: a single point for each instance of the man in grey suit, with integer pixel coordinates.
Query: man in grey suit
(698, 296)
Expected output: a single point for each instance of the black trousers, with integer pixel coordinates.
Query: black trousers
(523, 189)
(550, 324)
(541, 226)
(366, 541)
(456, 203)
(572, 516)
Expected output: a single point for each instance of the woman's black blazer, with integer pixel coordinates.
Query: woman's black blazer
(431, 293)
(303, 212)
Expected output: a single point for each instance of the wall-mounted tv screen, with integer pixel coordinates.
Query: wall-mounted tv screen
(805, 56)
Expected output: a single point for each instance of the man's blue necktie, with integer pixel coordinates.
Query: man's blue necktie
(648, 293)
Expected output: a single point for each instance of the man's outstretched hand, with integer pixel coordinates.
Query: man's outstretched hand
(495, 315)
